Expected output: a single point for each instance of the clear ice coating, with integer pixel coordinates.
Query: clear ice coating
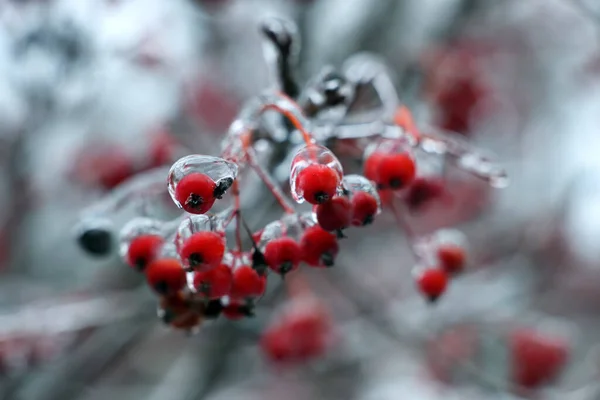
(390, 146)
(466, 157)
(193, 224)
(216, 168)
(426, 247)
(248, 121)
(292, 225)
(357, 183)
(136, 228)
(310, 155)
(364, 69)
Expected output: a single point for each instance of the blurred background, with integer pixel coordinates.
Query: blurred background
(95, 91)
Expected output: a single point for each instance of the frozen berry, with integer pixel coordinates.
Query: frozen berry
(214, 283)
(196, 193)
(364, 208)
(319, 247)
(165, 276)
(335, 214)
(432, 283)
(142, 250)
(283, 255)
(203, 250)
(318, 183)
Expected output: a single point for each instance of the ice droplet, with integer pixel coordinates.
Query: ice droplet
(291, 225)
(219, 170)
(191, 225)
(136, 228)
(311, 155)
(357, 183)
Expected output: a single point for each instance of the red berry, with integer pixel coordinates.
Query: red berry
(364, 208)
(179, 313)
(142, 250)
(283, 255)
(196, 193)
(247, 283)
(422, 191)
(318, 183)
(432, 283)
(301, 334)
(396, 171)
(165, 276)
(277, 345)
(371, 165)
(452, 258)
(335, 214)
(203, 251)
(319, 247)
(536, 359)
(214, 283)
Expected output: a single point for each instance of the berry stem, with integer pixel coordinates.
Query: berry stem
(292, 111)
(269, 183)
(404, 119)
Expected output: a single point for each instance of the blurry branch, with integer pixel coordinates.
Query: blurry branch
(74, 374)
(69, 316)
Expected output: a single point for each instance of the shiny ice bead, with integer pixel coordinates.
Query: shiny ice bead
(191, 225)
(291, 225)
(446, 248)
(199, 246)
(390, 163)
(196, 181)
(140, 241)
(364, 199)
(316, 174)
(136, 228)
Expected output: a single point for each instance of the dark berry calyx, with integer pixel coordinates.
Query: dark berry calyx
(213, 309)
(140, 263)
(259, 262)
(161, 287)
(195, 259)
(204, 288)
(328, 259)
(321, 197)
(395, 183)
(286, 267)
(247, 310)
(222, 187)
(339, 233)
(368, 220)
(432, 299)
(194, 201)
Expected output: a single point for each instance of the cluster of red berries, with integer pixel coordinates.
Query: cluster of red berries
(199, 274)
